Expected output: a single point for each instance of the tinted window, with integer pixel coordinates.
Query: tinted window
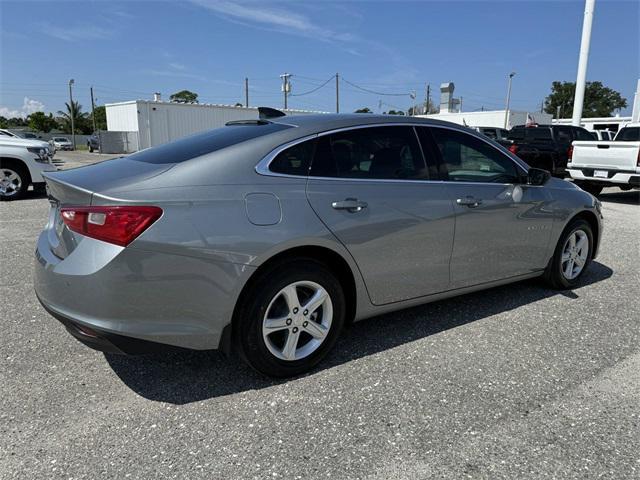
(538, 133)
(582, 134)
(206, 142)
(468, 159)
(294, 160)
(564, 135)
(628, 134)
(516, 134)
(489, 132)
(376, 153)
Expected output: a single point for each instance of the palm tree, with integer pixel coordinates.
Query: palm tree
(74, 110)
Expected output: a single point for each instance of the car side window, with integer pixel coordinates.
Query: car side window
(294, 160)
(466, 158)
(370, 153)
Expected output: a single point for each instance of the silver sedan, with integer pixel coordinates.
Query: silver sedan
(266, 237)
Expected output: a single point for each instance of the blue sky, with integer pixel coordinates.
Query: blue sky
(129, 50)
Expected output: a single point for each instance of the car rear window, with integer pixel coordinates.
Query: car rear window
(628, 134)
(206, 142)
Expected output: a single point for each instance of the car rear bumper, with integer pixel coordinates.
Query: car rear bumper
(132, 297)
(104, 341)
(614, 177)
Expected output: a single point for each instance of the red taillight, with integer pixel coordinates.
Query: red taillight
(570, 152)
(119, 225)
(513, 149)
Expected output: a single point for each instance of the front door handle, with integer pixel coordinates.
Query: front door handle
(352, 205)
(469, 201)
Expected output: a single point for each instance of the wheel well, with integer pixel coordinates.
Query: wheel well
(16, 162)
(592, 220)
(334, 261)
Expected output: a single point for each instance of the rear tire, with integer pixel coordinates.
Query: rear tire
(291, 318)
(14, 180)
(572, 256)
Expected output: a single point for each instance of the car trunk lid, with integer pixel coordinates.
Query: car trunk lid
(77, 187)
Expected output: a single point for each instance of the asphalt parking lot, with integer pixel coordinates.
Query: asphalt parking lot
(515, 382)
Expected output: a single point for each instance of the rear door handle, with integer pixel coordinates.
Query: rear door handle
(352, 205)
(469, 201)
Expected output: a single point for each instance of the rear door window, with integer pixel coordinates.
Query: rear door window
(370, 153)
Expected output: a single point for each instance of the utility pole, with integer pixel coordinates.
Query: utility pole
(460, 103)
(337, 93)
(558, 110)
(93, 116)
(72, 114)
(426, 112)
(286, 86)
(582, 62)
(506, 111)
(246, 92)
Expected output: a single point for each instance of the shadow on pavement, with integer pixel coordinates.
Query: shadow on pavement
(631, 197)
(185, 377)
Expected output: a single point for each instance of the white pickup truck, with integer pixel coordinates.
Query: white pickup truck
(21, 164)
(595, 165)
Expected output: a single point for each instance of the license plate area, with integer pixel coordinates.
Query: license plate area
(601, 173)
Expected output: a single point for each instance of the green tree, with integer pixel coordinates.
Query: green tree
(12, 122)
(101, 118)
(41, 122)
(184, 96)
(80, 118)
(238, 104)
(363, 110)
(599, 101)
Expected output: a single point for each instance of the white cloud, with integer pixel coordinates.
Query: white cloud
(274, 18)
(177, 66)
(29, 106)
(73, 33)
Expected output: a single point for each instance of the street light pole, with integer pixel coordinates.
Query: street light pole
(71, 114)
(582, 62)
(506, 111)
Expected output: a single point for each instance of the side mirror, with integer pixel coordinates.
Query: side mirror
(537, 176)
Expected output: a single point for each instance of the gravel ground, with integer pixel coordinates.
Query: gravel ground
(514, 382)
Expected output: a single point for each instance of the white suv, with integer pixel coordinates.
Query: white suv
(21, 164)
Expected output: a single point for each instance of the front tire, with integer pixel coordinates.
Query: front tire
(572, 256)
(291, 318)
(14, 181)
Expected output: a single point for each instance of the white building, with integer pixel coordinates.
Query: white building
(598, 123)
(148, 123)
(491, 118)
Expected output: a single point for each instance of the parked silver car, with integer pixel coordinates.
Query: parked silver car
(266, 237)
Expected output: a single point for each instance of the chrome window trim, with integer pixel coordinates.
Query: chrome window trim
(262, 168)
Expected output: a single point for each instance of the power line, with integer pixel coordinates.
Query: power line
(315, 89)
(374, 92)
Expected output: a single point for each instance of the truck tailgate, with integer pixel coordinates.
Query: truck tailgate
(608, 155)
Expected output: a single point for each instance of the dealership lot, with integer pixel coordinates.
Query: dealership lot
(515, 382)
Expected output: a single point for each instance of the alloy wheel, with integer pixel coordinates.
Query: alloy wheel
(10, 182)
(297, 320)
(574, 254)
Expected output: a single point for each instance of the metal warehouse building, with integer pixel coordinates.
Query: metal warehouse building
(139, 124)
